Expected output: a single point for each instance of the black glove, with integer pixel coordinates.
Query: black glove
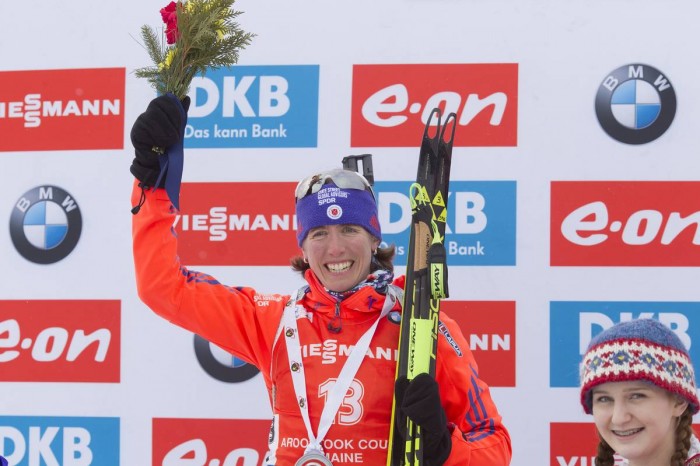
(153, 132)
(419, 400)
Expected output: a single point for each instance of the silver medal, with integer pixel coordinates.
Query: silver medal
(313, 458)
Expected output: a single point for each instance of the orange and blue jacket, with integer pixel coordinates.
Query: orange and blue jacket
(247, 324)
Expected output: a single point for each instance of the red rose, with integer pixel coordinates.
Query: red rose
(169, 15)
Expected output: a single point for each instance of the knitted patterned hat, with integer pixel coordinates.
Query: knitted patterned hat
(331, 205)
(642, 349)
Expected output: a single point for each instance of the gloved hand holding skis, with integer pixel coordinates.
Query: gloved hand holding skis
(154, 131)
(419, 400)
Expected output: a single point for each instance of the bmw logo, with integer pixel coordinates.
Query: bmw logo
(220, 364)
(635, 104)
(45, 224)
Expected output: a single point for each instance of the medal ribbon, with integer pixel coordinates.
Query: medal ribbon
(347, 373)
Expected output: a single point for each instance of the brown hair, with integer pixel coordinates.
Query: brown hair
(383, 259)
(684, 430)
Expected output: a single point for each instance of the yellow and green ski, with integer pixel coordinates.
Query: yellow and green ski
(426, 276)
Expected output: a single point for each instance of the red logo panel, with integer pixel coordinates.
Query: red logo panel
(210, 441)
(391, 103)
(625, 223)
(489, 327)
(62, 109)
(572, 444)
(237, 224)
(60, 341)
(575, 444)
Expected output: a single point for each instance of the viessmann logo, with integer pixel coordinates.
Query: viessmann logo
(573, 444)
(60, 341)
(62, 109)
(391, 103)
(237, 224)
(200, 441)
(489, 328)
(625, 223)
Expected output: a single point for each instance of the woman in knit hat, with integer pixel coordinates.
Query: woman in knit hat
(638, 382)
(327, 351)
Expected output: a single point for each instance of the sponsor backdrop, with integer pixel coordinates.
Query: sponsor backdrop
(574, 203)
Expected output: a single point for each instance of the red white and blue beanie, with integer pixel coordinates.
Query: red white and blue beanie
(642, 349)
(332, 205)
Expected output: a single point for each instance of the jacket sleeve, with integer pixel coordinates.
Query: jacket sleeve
(226, 316)
(479, 437)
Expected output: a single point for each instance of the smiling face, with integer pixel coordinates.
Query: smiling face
(339, 255)
(638, 420)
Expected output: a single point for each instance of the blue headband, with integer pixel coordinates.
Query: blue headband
(332, 205)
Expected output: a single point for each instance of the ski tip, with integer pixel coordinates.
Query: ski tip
(448, 128)
(436, 114)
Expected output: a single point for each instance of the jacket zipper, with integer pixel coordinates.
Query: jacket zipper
(336, 323)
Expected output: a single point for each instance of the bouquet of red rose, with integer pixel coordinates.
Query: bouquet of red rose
(200, 35)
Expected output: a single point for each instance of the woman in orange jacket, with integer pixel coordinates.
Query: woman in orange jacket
(328, 350)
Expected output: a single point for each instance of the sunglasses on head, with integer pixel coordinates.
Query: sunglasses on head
(344, 179)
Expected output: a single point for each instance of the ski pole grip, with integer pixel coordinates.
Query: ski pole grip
(350, 163)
